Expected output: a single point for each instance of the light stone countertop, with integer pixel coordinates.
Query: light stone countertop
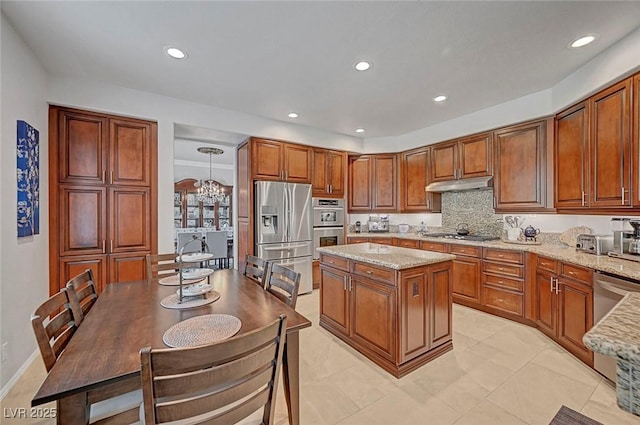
(618, 333)
(392, 257)
(625, 268)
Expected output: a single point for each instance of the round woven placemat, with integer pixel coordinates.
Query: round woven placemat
(174, 280)
(172, 301)
(202, 330)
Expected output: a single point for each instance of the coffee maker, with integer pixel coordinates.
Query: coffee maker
(634, 245)
(626, 238)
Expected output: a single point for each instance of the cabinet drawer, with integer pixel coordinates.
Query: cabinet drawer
(504, 282)
(374, 272)
(357, 239)
(433, 246)
(469, 251)
(503, 300)
(545, 263)
(503, 255)
(408, 243)
(577, 273)
(503, 269)
(381, 241)
(337, 262)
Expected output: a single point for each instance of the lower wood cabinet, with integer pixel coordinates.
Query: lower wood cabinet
(316, 274)
(467, 273)
(400, 320)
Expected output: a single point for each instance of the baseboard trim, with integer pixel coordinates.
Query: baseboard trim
(16, 376)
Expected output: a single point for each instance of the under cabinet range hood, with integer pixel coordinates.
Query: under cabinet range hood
(461, 184)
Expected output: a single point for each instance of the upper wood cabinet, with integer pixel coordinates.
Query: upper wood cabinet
(273, 160)
(94, 149)
(463, 158)
(635, 183)
(373, 183)
(593, 160)
(520, 178)
(414, 177)
(328, 173)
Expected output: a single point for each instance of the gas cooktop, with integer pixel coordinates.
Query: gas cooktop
(479, 238)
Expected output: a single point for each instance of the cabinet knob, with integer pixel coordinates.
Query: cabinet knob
(369, 272)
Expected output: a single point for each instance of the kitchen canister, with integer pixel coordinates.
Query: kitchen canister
(403, 228)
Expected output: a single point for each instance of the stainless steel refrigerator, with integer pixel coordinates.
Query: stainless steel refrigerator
(284, 227)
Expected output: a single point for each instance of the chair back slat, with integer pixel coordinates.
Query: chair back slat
(53, 335)
(82, 294)
(218, 383)
(161, 265)
(255, 268)
(284, 283)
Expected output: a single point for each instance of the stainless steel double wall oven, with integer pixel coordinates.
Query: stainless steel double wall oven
(328, 223)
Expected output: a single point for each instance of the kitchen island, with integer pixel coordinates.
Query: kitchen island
(392, 304)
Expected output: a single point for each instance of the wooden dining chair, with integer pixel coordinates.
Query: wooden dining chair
(54, 325)
(255, 268)
(82, 294)
(282, 282)
(219, 383)
(161, 265)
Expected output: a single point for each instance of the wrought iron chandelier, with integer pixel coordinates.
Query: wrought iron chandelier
(209, 191)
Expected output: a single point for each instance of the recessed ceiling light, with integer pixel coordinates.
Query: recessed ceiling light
(359, 130)
(440, 98)
(362, 66)
(293, 115)
(583, 41)
(176, 53)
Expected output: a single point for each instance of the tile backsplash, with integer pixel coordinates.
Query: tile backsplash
(473, 207)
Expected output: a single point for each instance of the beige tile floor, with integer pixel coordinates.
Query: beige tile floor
(499, 372)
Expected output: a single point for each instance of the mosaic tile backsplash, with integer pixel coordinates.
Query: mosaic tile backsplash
(474, 207)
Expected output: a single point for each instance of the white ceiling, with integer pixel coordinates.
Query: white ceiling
(269, 58)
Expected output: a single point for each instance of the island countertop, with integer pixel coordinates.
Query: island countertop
(392, 257)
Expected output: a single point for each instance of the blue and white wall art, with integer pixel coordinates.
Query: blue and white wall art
(28, 176)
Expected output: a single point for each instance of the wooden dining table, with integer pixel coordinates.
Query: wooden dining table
(128, 317)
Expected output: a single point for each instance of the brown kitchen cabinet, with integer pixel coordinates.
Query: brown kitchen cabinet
(373, 183)
(328, 173)
(564, 304)
(102, 192)
(467, 271)
(594, 152)
(275, 160)
(366, 305)
(316, 274)
(407, 243)
(414, 178)
(467, 157)
(522, 176)
(635, 183)
(357, 239)
(503, 282)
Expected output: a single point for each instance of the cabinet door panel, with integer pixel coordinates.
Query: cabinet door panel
(82, 220)
(335, 172)
(320, 180)
(611, 146)
(334, 300)
(297, 163)
(414, 319)
(575, 317)
(267, 160)
(82, 148)
(546, 308)
(572, 157)
(636, 141)
(385, 183)
(360, 183)
(466, 278)
(130, 159)
(440, 294)
(520, 169)
(245, 245)
(130, 223)
(73, 266)
(414, 180)
(444, 157)
(476, 156)
(373, 316)
(127, 267)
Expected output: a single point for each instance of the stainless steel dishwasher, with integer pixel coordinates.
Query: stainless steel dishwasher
(608, 290)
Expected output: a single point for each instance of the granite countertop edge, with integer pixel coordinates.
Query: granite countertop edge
(564, 253)
(396, 258)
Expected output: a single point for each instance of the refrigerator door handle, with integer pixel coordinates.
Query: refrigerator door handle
(287, 213)
(286, 248)
(291, 263)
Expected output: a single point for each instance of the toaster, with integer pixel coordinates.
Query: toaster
(594, 244)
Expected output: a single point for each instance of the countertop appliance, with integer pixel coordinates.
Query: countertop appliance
(608, 290)
(283, 228)
(328, 223)
(626, 244)
(594, 244)
(378, 223)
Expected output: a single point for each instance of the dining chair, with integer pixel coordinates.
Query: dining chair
(54, 325)
(82, 294)
(255, 268)
(282, 282)
(218, 383)
(161, 265)
(218, 246)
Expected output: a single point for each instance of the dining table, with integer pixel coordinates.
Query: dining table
(105, 349)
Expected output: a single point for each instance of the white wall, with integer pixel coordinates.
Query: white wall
(24, 264)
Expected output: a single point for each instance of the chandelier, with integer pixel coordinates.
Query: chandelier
(210, 191)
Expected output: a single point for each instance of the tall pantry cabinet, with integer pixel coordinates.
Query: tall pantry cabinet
(102, 194)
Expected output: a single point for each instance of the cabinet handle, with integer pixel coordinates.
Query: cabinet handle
(368, 272)
(429, 203)
(500, 282)
(111, 178)
(330, 188)
(557, 286)
(462, 250)
(571, 273)
(500, 255)
(622, 192)
(285, 174)
(111, 245)
(583, 198)
(103, 245)
(501, 268)
(551, 284)
(104, 176)
(344, 284)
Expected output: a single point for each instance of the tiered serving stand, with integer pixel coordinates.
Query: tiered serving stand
(186, 257)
